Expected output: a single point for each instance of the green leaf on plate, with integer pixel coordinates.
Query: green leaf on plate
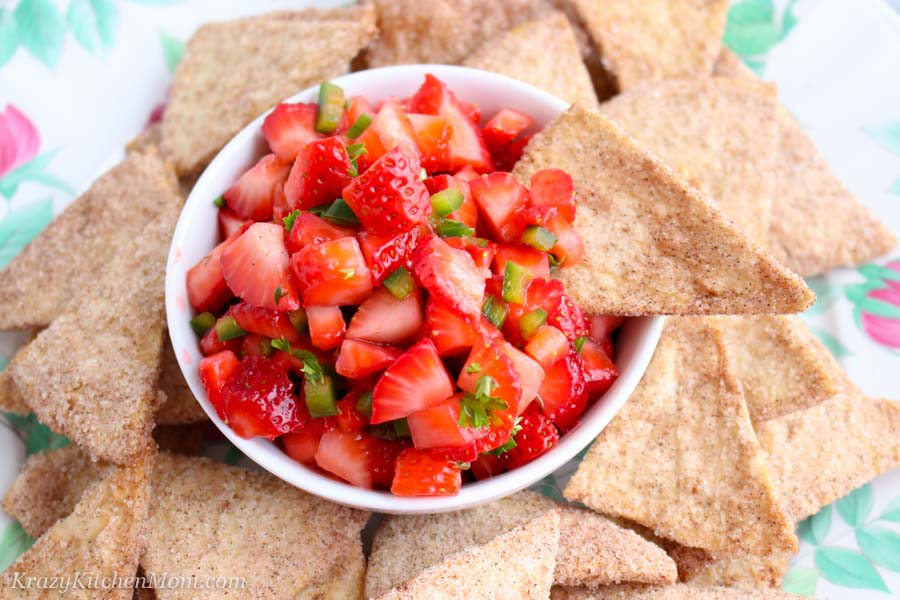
(21, 225)
(855, 506)
(832, 343)
(788, 19)
(848, 568)
(93, 23)
(752, 40)
(886, 134)
(37, 436)
(881, 545)
(801, 581)
(13, 542)
(858, 294)
(42, 29)
(172, 49)
(33, 171)
(751, 12)
(156, 1)
(892, 511)
(9, 35)
(815, 529)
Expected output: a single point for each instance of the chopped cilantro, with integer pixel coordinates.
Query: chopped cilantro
(354, 151)
(476, 407)
(311, 367)
(289, 220)
(511, 442)
(473, 368)
(579, 343)
(279, 294)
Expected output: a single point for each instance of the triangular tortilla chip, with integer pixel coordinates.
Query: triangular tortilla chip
(213, 520)
(679, 591)
(782, 365)
(345, 581)
(517, 565)
(102, 537)
(681, 457)
(652, 243)
(655, 39)
(233, 71)
(180, 406)
(64, 260)
(92, 374)
(150, 137)
(823, 453)
(719, 134)
(746, 572)
(443, 31)
(729, 64)
(543, 53)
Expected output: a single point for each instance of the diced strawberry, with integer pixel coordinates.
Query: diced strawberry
(259, 399)
(602, 326)
(359, 359)
(326, 326)
(432, 135)
(547, 346)
(506, 158)
(385, 320)
(309, 230)
(467, 174)
(481, 250)
(466, 145)
(562, 312)
(569, 247)
(321, 171)
(472, 111)
(492, 360)
(416, 380)
(499, 198)
(491, 438)
(390, 197)
(253, 344)
(289, 128)
(211, 344)
(504, 127)
(554, 188)
(421, 473)
(487, 466)
(280, 208)
(536, 437)
(255, 265)
(563, 392)
(332, 272)
(530, 372)
(390, 130)
(264, 321)
(465, 453)
(537, 262)
(383, 457)
(301, 443)
(347, 456)
(449, 332)
(385, 253)
(252, 195)
(438, 426)
(450, 275)
(206, 286)
(229, 223)
(468, 212)
(349, 419)
(599, 371)
(215, 371)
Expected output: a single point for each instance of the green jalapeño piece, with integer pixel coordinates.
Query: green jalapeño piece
(331, 108)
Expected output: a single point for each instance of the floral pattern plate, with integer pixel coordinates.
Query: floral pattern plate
(79, 78)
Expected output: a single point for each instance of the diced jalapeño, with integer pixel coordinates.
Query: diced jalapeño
(321, 399)
(515, 281)
(341, 214)
(203, 323)
(364, 405)
(359, 125)
(401, 427)
(532, 322)
(331, 108)
(495, 311)
(228, 329)
(299, 320)
(539, 238)
(446, 201)
(400, 283)
(450, 228)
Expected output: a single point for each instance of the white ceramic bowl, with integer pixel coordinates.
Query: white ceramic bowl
(197, 234)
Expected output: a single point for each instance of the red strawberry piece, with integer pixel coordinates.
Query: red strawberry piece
(382, 458)
(389, 197)
(206, 285)
(416, 380)
(472, 111)
(438, 426)
(481, 250)
(384, 319)
(385, 253)
(288, 128)
(467, 174)
(264, 321)
(347, 456)
(301, 443)
(537, 262)
(569, 246)
(422, 473)
(326, 326)
(530, 372)
(432, 135)
(487, 466)
(253, 344)
(562, 312)
(563, 392)
(547, 346)
(349, 419)
(468, 212)
(460, 454)
(466, 145)
(259, 399)
(507, 157)
(321, 171)
(309, 230)
(229, 223)
(492, 360)
(449, 332)
(390, 130)
(280, 208)
(602, 326)
(536, 437)
(255, 265)
(491, 438)
(450, 275)
(332, 272)
(252, 195)
(554, 188)
(499, 198)
(211, 344)
(504, 127)
(215, 371)
(359, 359)
(599, 371)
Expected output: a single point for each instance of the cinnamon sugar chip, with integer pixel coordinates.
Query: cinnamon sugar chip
(746, 572)
(652, 243)
(543, 53)
(679, 591)
(729, 64)
(345, 580)
(719, 134)
(233, 71)
(681, 459)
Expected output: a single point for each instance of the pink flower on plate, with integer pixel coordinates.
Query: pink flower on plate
(19, 139)
(882, 322)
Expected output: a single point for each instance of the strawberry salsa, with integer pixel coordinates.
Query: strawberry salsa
(383, 303)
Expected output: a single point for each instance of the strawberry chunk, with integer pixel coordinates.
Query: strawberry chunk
(563, 392)
(547, 346)
(349, 419)
(450, 275)
(215, 371)
(309, 230)
(536, 437)
(499, 198)
(438, 426)
(562, 312)
(255, 265)
(211, 344)
(530, 373)
(504, 127)
(326, 326)
(251, 197)
(492, 359)
(481, 250)
(391, 130)
(421, 473)
(332, 272)
(537, 262)
(264, 321)
(229, 223)
(449, 332)
(347, 456)
(253, 344)
(389, 197)
(385, 253)
(599, 371)
(569, 247)
(321, 171)
(506, 158)
(259, 399)
(554, 188)
(432, 136)
(602, 326)
(385, 320)
(290, 127)
(206, 286)
(487, 466)
(416, 380)
(468, 212)
(302, 443)
(359, 359)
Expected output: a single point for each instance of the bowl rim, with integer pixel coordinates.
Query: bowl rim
(269, 457)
